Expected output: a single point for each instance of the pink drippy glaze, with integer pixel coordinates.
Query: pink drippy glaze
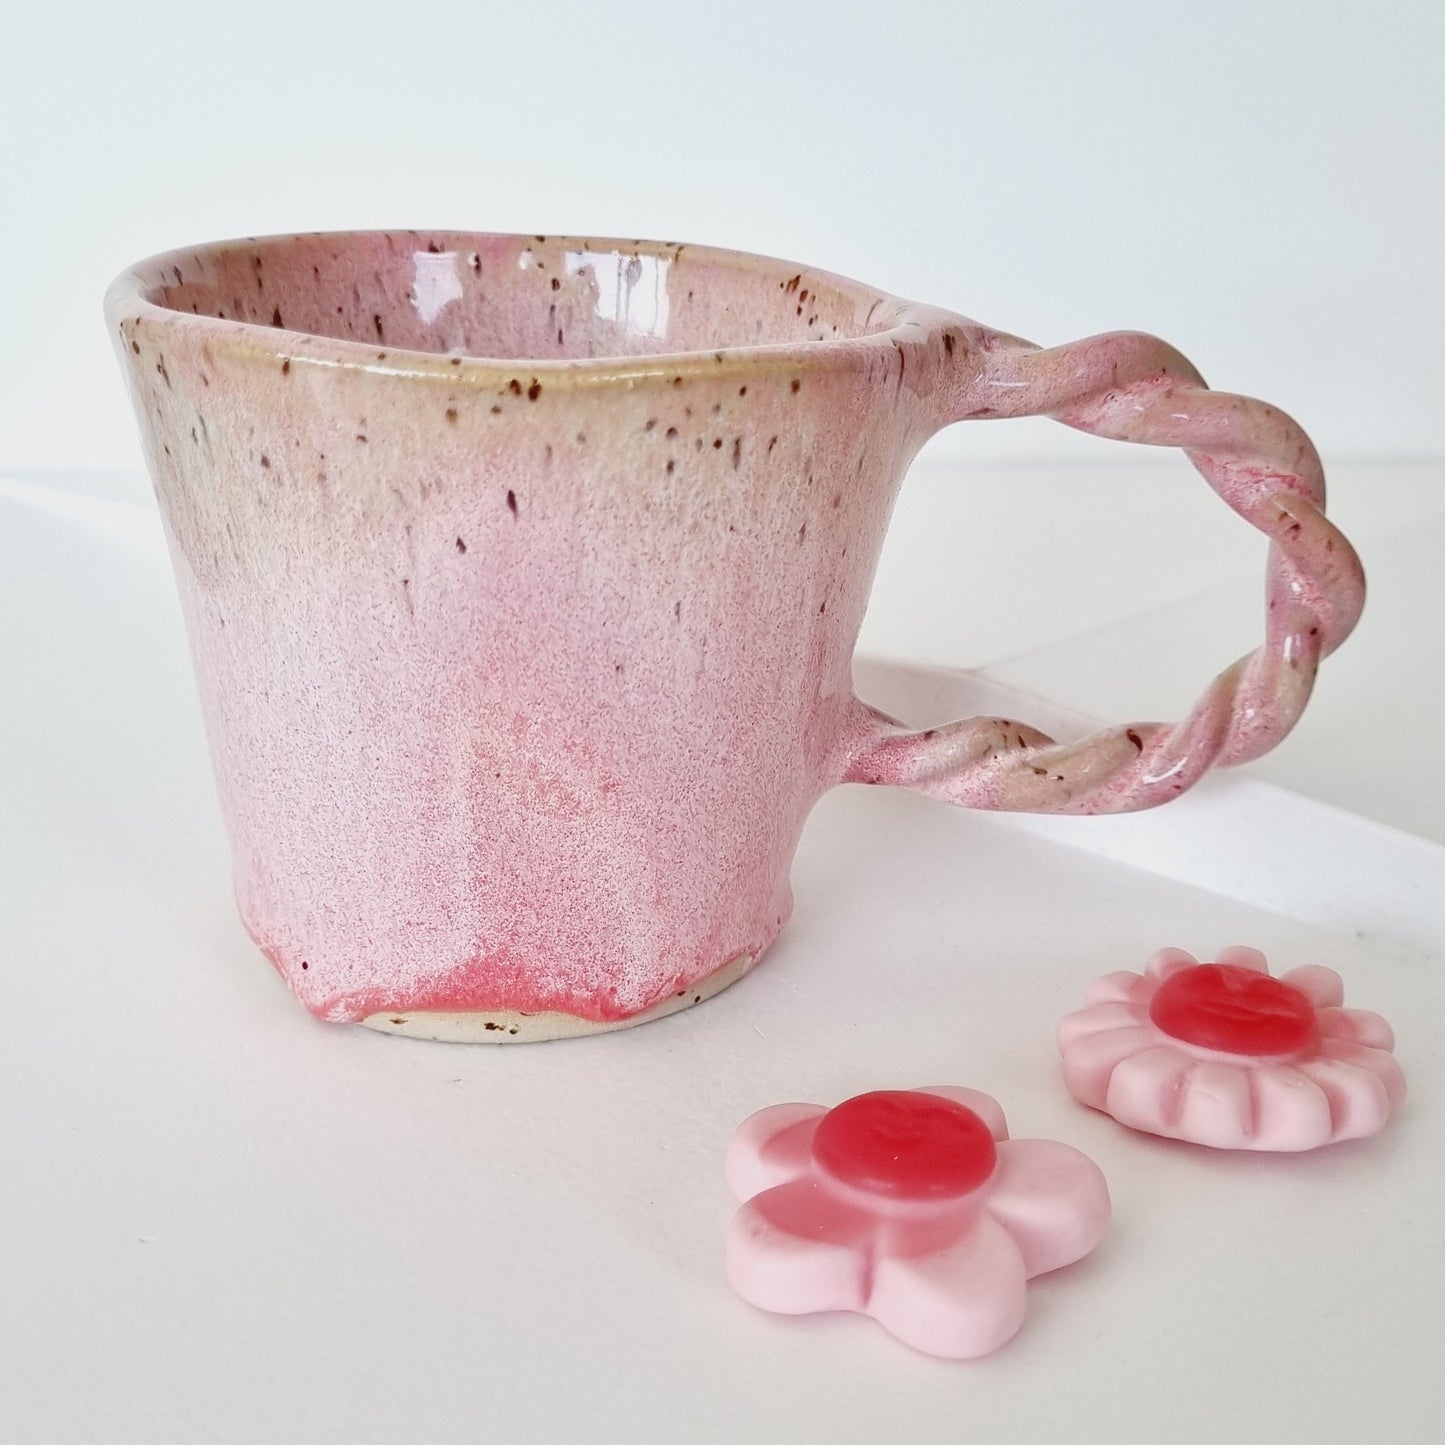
(1222, 1054)
(913, 1207)
(521, 676)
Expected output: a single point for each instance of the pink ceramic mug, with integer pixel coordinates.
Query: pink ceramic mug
(521, 675)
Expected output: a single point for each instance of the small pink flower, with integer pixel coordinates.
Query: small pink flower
(1222, 1054)
(912, 1206)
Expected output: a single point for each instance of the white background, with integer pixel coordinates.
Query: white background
(1258, 183)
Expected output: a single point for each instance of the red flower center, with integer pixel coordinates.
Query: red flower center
(1235, 1010)
(906, 1146)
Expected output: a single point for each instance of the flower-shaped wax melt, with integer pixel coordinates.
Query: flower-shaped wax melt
(912, 1206)
(1225, 1055)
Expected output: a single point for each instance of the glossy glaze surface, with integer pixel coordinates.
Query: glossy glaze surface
(522, 576)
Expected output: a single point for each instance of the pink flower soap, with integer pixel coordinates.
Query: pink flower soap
(1223, 1054)
(912, 1206)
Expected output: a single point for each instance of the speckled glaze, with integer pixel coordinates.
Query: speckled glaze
(521, 676)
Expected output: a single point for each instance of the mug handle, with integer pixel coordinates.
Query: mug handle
(1136, 388)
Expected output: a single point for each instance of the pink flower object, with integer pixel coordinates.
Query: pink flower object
(1225, 1055)
(912, 1206)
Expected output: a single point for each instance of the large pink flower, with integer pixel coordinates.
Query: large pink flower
(912, 1206)
(1222, 1054)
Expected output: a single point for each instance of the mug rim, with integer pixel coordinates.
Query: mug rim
(127, 302)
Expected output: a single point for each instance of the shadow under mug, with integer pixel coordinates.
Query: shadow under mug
(521, 675)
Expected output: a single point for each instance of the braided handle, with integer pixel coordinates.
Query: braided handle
(1136, 388)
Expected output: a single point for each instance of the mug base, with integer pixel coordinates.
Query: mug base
(510, 1026)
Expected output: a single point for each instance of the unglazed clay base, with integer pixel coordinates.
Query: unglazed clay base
(509, 1026)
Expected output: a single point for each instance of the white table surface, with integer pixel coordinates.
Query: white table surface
(221, 1220)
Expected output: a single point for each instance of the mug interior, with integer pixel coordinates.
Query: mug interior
(534, 298)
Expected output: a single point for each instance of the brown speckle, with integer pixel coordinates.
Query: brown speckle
(286, 367)
(135, 346)
(796, 384)
(1135, 739)
(455, 361)
(515, 387)
(461, 547)
(556, 284)
(948, 342)
(671, 467)
(380, 330)
(265, 461)
(802, 533)
(717, 444)
(452, 415)
(161, 367)
(677, 381)
(742, 391)
(534, 391)
(511, 501)
(737, 452)
(649, 423)
(276, 317)
(671, 433)
(837, 500)
(397, 1020)
(772, 442)
(496, 410)
(304, 964)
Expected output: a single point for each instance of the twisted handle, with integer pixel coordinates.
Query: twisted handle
(1136, 388)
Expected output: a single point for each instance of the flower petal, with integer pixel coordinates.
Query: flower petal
(1381, 1064)
(1147, 1089)
(1051, 1199)
(1090, 1062)
(1238, 956)
(1121, 987)
(984, 1105)
(1359, 1104)
(961, 1302)
(1167, 961)
(770, 1147)
(800, 1248)
(1099, 1017)
(1357, 1026)
(1291, 1111)
(1321, 985)
(1217, 1108)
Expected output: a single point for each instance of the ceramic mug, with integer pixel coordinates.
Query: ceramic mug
(522, 577)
